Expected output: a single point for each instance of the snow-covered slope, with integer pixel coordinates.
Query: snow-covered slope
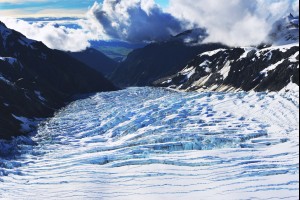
(153, 144)
(35, 81)
(259, 69)
(285, 31)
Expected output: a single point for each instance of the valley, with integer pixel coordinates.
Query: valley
(158, 144)
(162, 112)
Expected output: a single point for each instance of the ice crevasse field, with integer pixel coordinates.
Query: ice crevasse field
(151, 143)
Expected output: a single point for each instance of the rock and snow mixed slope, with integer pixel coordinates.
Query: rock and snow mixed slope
(159, 59)
(35, 81)
(144, 143)
(285, 31)
(263, 68)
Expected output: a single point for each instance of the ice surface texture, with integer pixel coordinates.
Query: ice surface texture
(144, 143)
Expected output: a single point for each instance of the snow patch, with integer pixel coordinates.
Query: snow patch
(294, 57)
(187, 69)
(271, 68)
(191, 73)
(26, 124)
(10, 60)
(39, 95)
(3, 79)
(205, 64)
(282, 48)
(167, 81)
(225, 70)
(208, 70)
(211, 53)
(247, 51)
(269, 56)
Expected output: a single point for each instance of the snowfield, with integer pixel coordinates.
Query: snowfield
(152, 144)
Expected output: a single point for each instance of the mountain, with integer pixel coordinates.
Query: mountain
(285, 31)
(157, 60)
(116, 50)
(264, 68)
(96, 60)
(35, 81)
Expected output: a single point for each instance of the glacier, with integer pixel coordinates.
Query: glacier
(152, 143)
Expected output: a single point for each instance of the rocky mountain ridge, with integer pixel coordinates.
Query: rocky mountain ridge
(265, 69)
(143, 66)
(285, 31)
(35, 81)
(96, 60)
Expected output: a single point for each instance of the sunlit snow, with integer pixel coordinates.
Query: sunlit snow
(145, 143)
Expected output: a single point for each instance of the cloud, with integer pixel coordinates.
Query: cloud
(130, 20)
(58, 37)
(234, 22)
(135, 20)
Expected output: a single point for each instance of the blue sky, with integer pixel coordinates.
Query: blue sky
(20, 8)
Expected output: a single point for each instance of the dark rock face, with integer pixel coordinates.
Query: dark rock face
(266, 69)
(35, 81)
(96, 60)
(143, 66)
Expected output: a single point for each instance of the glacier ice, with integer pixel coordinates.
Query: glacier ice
(160, 144)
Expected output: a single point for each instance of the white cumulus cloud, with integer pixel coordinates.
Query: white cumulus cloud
(135, 20)
(233, 22)
(59, 36)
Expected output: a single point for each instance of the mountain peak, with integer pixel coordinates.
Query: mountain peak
(285, 31)
(36, 80)
(2, 24)
(293, 20)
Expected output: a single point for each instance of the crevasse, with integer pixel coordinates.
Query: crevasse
(158, 144)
